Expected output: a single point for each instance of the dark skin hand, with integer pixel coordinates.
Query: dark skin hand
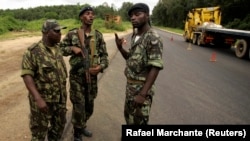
(94, 70)
(119, 42)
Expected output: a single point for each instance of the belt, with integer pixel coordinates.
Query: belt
(135, 81)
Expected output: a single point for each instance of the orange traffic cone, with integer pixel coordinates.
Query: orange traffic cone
(213, 57)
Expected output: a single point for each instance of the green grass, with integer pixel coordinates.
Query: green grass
(33, 28)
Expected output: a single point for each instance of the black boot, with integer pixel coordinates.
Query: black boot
(86, 132)
(77, 134)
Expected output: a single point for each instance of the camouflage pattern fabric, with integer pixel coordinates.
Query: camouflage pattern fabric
(39, 121)
(83, 103)
(145, 52)
(137, 115)
(49, 73)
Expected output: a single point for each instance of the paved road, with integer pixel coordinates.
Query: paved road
(194, 90)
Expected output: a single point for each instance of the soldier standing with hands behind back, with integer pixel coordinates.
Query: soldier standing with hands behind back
(83, 79)
(143, 63)
(44, 74)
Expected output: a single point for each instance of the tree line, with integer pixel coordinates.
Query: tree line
(235, 13)
(167, 13)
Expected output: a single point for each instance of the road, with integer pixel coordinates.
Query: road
(189, 90)
(194, 90)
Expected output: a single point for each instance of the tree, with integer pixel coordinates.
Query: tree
(123, 11)
(51, 15)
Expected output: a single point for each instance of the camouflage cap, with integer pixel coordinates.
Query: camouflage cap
(51, 24)
(87, 8)
(140, 7)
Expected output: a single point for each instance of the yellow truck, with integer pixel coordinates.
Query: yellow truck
(203, 27)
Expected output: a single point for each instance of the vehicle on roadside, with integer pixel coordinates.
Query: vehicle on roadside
(203, 27)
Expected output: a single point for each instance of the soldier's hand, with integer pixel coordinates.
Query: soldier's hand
(41, 104)
(95, 69)
(76, 50)
(139, 100)
(119, 41)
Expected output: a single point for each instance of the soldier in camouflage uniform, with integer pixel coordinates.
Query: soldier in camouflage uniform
(143, 63)
(44, 74)
(82, 94)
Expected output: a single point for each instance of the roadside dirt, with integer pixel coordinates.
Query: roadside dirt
(14, 107)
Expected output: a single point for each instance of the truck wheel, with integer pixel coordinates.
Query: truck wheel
(241, 48)
(194, 40)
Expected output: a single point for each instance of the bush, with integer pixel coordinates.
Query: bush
(9, 23)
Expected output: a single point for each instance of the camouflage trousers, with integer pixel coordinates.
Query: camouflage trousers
(50, 124)
(137, 115)
(82, 99)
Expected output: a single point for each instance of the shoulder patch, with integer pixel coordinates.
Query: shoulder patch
(97, 31)
(32, 46)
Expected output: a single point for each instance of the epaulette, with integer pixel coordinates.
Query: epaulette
(72, 32)
(98, 31)
(32, 46)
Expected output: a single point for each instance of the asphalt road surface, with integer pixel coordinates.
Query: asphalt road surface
(190, 89)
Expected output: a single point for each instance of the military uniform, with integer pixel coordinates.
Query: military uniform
(47, 67)
(79, 95)
(145, 52)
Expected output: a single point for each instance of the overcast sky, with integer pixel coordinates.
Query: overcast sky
(16, 4)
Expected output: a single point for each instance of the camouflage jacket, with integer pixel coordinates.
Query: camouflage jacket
(76, 60)
(145, 52)
(48, 70)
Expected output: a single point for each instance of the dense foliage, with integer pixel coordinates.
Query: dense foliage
(167, 13)
(235, 13)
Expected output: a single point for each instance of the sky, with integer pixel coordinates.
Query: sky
(16, 4)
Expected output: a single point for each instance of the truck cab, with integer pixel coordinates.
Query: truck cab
(198, 17)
